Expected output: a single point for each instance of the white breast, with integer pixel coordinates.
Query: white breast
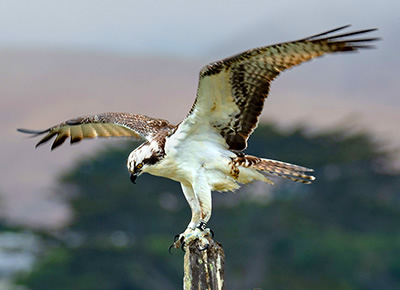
(187, 153)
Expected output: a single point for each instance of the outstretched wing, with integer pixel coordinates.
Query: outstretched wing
(103, 125)
(232, 91)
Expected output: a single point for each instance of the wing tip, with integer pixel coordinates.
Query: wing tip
(45, 139)
(328, 32)
(35, 133)
(32, 132)
(316, 36)
(345, 42)
(348, 44)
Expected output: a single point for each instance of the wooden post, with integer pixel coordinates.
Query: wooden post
(204, 269)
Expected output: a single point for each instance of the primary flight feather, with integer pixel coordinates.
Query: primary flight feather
(205, 151)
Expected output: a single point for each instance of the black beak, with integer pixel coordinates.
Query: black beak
(133, 178)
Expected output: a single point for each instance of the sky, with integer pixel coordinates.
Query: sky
(178, 28)
(63, 59)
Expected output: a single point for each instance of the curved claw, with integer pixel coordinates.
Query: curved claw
(169, 249)
(183, 247)
(179, 239)
(179, 242)
(200, 233)
(212, 233)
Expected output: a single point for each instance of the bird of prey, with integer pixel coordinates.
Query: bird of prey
(204, 152)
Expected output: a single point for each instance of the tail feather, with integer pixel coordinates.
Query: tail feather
(278, 168)
(285, 165)
(288, 174)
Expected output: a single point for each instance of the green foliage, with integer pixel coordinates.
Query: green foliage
(339, 233)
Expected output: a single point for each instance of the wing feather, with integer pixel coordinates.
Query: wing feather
(102, 125)
(76, 134)
(232, 91)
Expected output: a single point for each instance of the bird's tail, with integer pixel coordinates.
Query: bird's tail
(278, 168)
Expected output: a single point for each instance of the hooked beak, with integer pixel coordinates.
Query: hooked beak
(133, 177)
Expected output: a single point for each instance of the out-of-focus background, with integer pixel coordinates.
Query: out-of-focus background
(338, 114)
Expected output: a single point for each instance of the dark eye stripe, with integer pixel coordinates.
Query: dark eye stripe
(151, 160)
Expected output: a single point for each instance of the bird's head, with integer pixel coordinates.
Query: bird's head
(143, 157)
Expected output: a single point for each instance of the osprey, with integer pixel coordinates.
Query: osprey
(205, 151)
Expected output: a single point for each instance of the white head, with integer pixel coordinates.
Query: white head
(143, 157)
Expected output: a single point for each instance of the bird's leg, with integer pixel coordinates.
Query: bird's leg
(203, 194)
(200, 205)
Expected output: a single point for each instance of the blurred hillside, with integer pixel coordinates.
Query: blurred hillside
(341, 232)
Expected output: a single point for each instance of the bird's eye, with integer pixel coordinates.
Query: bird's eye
(139, 166)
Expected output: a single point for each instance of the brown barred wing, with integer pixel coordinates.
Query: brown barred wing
(232, 91)
(139, 127)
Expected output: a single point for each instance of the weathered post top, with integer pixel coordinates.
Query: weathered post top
(204, 269)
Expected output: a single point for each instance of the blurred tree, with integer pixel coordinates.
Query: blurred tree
(339, 233)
